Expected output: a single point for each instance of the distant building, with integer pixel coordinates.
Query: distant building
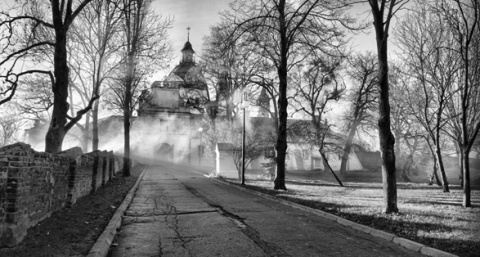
(170, 113)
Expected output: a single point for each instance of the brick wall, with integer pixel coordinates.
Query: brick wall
(33, 184)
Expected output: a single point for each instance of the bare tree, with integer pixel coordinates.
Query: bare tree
(363, 98)
(234, 68)
(318, 84)
(256, 141)
(145, 46)
(95, 57)
(463, 19)
(10, 126)
(406, 129)
(425, 40)
(279, 28)
(220, 57)
(35, 99)
(383, 11)
(33, 19)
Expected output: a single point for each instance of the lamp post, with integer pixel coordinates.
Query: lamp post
(244, 105)
(200, 147)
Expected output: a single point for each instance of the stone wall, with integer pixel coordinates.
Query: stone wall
(33, 184)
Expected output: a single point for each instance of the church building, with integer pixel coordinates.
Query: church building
(170, 113)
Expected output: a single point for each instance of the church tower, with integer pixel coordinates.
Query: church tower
(187, 69)
(187, 51)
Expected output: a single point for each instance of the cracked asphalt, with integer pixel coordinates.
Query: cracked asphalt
(177, 211)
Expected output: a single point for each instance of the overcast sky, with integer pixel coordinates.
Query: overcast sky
(199, 15)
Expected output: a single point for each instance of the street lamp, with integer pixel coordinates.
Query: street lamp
(200, 130)
(244, 105)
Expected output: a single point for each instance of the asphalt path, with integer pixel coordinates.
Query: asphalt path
(177, 211)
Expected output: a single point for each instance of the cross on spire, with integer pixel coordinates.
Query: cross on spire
(188, 33)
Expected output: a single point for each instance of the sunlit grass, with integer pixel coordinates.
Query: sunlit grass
(426, 214)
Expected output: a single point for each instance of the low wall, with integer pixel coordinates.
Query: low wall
(33, 184)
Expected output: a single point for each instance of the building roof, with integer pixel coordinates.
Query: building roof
(302, 131)
(187, 78)
(187, 47)
(190, 74)
(225, 147)
(173, 78)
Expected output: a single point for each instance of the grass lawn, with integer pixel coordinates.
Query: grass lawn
(426, 214)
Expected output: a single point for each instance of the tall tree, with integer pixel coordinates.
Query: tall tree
(219, 56)
(425, 40)
(33, 18)
(231, 67)
(407, 131)
(463, 19)
(145, 46)
(362, 98)
(280, 28)
(383, 12)
(96, 46)
(318, 84)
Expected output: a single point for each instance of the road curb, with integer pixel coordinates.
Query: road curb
(104, 241)
(409, 244)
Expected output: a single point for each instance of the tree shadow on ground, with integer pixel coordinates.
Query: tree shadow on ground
(311, 183)
(409, 230)
(434, 234)
(449, 203)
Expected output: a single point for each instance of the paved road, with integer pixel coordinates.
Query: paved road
(177, 211)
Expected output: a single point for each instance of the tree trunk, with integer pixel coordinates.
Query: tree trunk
(126, 116)
(460, 166)
(54, 138)
(281, 145)
(466, 179)
(387, 141)
(327, 166)
(86, 134)
(435, 172)
(311, 160)
(95, 140)
(214, 143)
(406, 167)
(126, 148)
(228, 108)
(56, 131)
(438, 153)
(434, 175)
(348, 147)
